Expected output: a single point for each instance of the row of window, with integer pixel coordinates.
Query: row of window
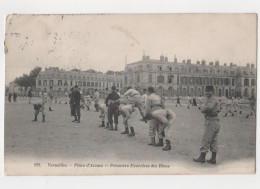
(194, 69)
(79, 83)
(191, 80)
(77, 77)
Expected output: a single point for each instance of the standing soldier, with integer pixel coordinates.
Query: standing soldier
(228, 107)
(15, 96)
(71, 102)
(51, 96)
(103, 114)
(95, 99)
(9, 96)
(66, 95)
(178, 101)
(134, 97)
(210, 136)
(153, 102)
(76, 97)
(252, 102)
(144, 97)
(30, 95)
(59, 96)
(199, 102)
(88, 100)
(112, 101)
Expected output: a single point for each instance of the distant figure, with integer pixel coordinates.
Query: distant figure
(228, 107)
(96, 99)
(144, 97)
(199, 102)
(71, 103)
(112, 102)
(51, 96)
(178, 101)
(40, 107)
(9, 96)
(15, 96)
(252, 102)
(76, 97)
(66, 94)
(194, 102)
(103, 114)
(88, 101)
(30, 95)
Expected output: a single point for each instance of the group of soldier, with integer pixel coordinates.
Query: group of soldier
(152, 109)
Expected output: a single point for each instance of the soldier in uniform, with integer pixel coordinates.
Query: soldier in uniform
(144, 97)
(30, 95)
(40, 107)
(103, 114)
(51, 96)
(252, 102)
(128, 112)
(228, 107)
(76, 97)
(153, 102)
(71, 103)
(134, 97)
(66, 95)
(112, 101)
(95, 99)
(178, 101)
(164, 119)
(210, 136)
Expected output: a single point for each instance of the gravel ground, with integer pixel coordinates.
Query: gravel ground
(58, 141)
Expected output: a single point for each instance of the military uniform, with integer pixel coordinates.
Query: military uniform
(103, 114)
(134, 97)
(96, 99)
(51, 96)
(228, 107)
(112, 101)
(40, 107)
(165, 119)
(76, 98)
(129, 113)
(153, 103)
(211, 130)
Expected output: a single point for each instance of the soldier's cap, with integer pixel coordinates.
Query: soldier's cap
(209, 88)
(113, 88)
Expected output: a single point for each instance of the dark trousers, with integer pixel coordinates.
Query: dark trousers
(113, 111)
(72, 112)
(76, 109)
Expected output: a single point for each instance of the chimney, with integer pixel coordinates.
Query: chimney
(248, 65)
(162, 58)
(183, 61)
(217, 63)
(211, 63)
(252, 66)
(198, 62)
(189, 61)
(166, 59)
(225, 64)
(203, 62)
(231, 64)
(175, 59)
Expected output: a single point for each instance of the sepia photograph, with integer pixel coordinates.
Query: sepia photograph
(130, 94)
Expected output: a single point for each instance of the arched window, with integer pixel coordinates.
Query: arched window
(160, 79)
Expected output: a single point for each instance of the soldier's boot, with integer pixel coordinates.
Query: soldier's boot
(212, 160)
(132, 133)
(35, 118)
(75, 119)
(116, 124)
(43, 118)
(110, 127)
(152, 143)
(201, 158)
(78, 120)
(126, 131)
(107, 126)
(160, 142)
(225, 115)
(103, 124)
(247, 116)
(168, 145)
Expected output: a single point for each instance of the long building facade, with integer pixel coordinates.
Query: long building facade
(88, 81)
(189, 79)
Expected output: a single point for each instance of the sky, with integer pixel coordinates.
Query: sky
(109, 41)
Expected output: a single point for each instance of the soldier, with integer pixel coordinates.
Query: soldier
(51, 96)
(88, 101)
(9, 96)
(15, 96)
(199, 102)
(165, 119)
(128, 112)
(189, 101)
(103, 114)
(40, 107)
(59, 96)
(134, 97)
(252, 102)
(178, 101)
(30, 95)
(153, 102)
(112, 101)
(71, 103)
(95, 99)
(66, 95)
(210, 136)
(76, 97)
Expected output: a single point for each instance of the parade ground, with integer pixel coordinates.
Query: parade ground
(36, 146)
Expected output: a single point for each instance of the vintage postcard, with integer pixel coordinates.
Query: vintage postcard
(116, 94)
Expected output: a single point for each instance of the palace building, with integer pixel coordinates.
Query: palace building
(173, 78)
(88, 81)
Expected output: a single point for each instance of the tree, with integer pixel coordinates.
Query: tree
(28, 80)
